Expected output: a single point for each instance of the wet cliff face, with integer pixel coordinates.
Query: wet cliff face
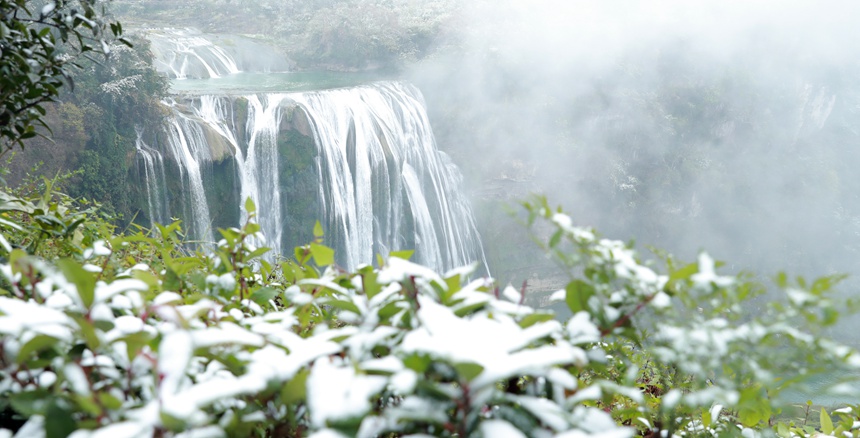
(164, 186)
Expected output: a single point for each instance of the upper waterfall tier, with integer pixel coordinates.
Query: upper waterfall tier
(362, 160)
(191, 54)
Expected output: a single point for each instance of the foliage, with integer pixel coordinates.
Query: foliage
(132, 335)
(40, 43)
(95, 127)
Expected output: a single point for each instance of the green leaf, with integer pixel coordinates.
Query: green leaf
(469, 309)
(88, 331)
(368, 279)
(60, 422)
(296, 389)
(147, 277)
(782, 280)
(826, 423)
(109, 401)
(249, 206)
(257, 253)
(343, 305)
(263, 295)
(83, 280)
(318, 230)
(30, 403)
(453, 286)
(782, 430)
(706, 418)
(577, 294)
(389, 310)
(534, 318)
(753, 407)
(468, 370)
(417, 363)
(36, 345)
(323, 255)
(171, 281)
(682, 274)
(405, 255)
(302, 253)
(555, 239)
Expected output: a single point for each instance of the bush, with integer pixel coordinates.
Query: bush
(133, 335)
(40, 44)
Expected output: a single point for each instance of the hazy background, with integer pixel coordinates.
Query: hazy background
(689, 125)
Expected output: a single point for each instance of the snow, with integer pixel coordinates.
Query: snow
(707, 275)
(404, 382)
(19, 316)
(92, 268)
(581, 330)
(47, 378)
(224, 282)
(545, 411)
(338, 393)
(225, 333)
(327, 433)
(128, 429)
(661, 300)
(74, 374)
(174, 355)
(500, 429)
(671, 399)
(98, 249)
(397, 270)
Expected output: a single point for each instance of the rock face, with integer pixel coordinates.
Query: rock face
(361, 160)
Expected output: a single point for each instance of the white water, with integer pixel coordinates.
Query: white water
(185, 53)
(383, 185)
(186, 144)
(156, 187)
(376, 145)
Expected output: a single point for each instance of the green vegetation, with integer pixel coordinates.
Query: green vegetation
(131, 332)
(94, 128)
(125, 331)
(40, 44)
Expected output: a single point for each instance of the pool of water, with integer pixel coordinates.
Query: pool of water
(243, 83)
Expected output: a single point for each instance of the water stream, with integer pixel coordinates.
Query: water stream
(382, 184)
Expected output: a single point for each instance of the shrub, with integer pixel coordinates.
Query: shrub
(133, 335)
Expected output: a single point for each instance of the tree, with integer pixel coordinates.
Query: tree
(40, 43)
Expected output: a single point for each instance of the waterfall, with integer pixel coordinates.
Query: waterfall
(187, 145)
(155, 187)
(382, 185)
(260, 181)
(185, 53)
(375, 145)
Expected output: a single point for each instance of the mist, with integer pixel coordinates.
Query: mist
(728, 127)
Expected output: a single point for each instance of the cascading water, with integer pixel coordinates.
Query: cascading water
(156, 187)
(185, 53)
(375, 146)
(376, 179)
(187, 145)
